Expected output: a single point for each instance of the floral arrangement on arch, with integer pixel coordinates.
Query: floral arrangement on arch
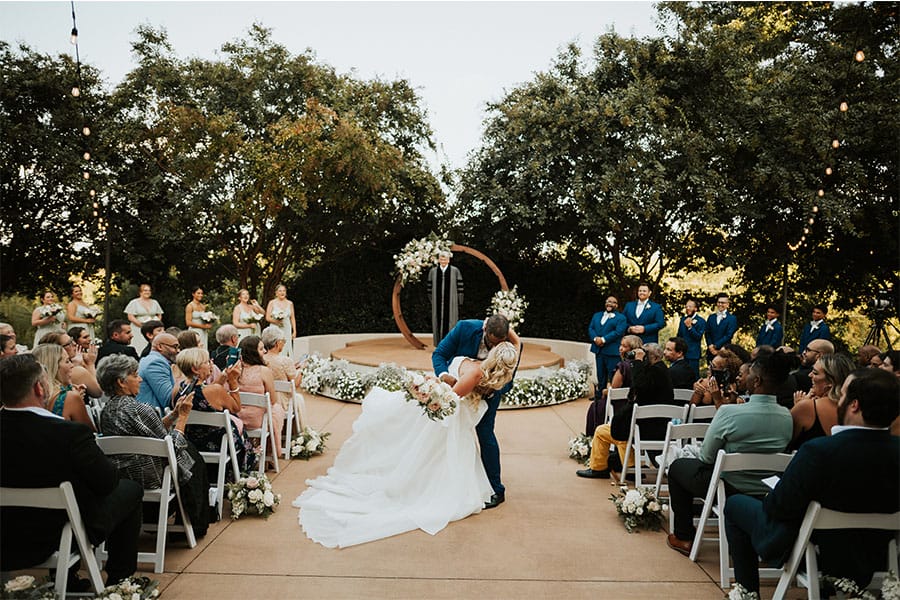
(308, 443)
(639, 508)
(252, 495)
(511, 305)
(580, 448)
(416, 255)
(436, 398)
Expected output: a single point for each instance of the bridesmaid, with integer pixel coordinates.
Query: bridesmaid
(79, 313)
(46, 324)
(139, 311)
(241, 315)
(192, 319)
(281, 307)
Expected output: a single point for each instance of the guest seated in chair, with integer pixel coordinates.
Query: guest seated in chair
(760, 426)
(39, 449)
(621, 378)
(124, 415)
(282, 367)
(816, 413)
(63, 398)
(861, 447)
(257, 378)
(719, 387)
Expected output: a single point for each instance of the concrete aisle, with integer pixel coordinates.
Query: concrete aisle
(557, 536)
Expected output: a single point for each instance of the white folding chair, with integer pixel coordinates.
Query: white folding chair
(675, 438)
(701, 411)
(682, 395)
(226, 450)
(714, 502)
(164, 494)
(823, 518)
(265, 431)
(59, 498)
(293, 417)
(613, 394)
(642, 446)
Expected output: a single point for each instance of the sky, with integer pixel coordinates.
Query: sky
(457, 55)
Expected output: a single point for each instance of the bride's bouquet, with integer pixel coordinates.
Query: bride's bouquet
(255, 317)
(434, 396)
(50, 310)
(209, 317)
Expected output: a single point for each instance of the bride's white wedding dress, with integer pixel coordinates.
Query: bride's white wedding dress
(399, 471)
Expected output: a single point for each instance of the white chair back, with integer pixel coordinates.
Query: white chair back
(287, 387)
(640, 446)
(613, 394)
(266, 429)
(676, 435)
(698, 411)
(60, 498)
(226, 450)
(682, 395)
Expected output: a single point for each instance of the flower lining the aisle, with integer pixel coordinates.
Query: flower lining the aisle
(308, 443)
(131, 588)
(580, 448)
(252, 495)
(26, 586)
(549, 386)
(639, 508)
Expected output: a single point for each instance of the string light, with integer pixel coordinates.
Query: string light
(860, 56)
(76, 92)
(74, 37)
(821, 193)
(835, 144)
(828, 171)
(844, 107)
(87, 155)
(86, 130)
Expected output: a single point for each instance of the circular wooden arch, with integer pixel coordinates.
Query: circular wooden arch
(398, 284)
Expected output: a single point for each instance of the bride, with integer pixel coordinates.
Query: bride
(400, 470)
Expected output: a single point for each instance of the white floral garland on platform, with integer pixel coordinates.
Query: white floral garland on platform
(336, 379)
(418, 254)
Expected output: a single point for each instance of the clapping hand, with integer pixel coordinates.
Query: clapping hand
(800, 395)
(184, 405)
(80, 389)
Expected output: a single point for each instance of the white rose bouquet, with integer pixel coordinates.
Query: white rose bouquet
(255, 317)
(209, 317)
(252, 495)
(279, 314)
(309, 443)
(50, 310)
(434, 396)
(639, 508)
(91, 312)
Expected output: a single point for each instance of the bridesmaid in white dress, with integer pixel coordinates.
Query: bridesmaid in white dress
(192, 319)
(139, 311)
(77, 312)
(246, 315)
(400, 470)
(54, 322)
(281, 307)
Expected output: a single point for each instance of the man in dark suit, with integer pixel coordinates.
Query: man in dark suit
(720, 327)
(119, 335)
(605, 332)
(691, 329)
(861, 445)
(680, 372)
(644, 318)
(771, 333)
(474, 338)
(39, 449)
(817, 329)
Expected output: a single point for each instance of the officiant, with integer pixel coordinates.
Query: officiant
(445, 288)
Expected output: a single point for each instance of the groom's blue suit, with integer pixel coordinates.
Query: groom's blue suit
(464, 340)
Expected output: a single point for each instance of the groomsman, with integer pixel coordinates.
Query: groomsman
(691, 329)
(817, 329)
(605, 332)
(644, 318)
(771, 333)
(720, 327)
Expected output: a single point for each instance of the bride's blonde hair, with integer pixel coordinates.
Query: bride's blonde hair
(497, 369)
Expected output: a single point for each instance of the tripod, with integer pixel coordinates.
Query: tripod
(879, 329)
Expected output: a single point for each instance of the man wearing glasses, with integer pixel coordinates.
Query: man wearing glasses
(157, 381)
(815, 350)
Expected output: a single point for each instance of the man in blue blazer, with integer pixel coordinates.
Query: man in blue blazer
(720, 327)
(691, 329)
(605, 332)
(644, 318)
(860, 447)
(771, 333)
(157, 381)
(817, 329)
(474, 338)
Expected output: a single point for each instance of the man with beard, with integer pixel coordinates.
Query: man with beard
(691, 329)
(814, 351)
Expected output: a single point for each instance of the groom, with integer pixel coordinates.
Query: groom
(474, 338)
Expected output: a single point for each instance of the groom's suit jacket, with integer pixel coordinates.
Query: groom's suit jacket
(463, 340)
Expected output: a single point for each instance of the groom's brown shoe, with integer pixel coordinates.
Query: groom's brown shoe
(495, 501)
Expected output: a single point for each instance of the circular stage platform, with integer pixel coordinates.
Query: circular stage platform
(373, 352)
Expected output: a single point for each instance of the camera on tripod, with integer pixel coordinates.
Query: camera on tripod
(882, 302)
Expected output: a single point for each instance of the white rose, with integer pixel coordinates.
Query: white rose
(252, 482)
(255, 496)
(268, 498)
(115, 596)
(22, 582)
(135, 596)
(313, 445)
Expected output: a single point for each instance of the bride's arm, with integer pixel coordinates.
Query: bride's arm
(513, 338)
(469, 378)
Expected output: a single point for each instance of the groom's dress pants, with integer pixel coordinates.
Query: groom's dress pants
(490, 449)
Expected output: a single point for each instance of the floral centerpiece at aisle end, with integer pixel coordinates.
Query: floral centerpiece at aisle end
(252, 495)
(418, 254)
(434, 396)
(209, 317)
(511, 305)
(131, 588)
(309, 443)
(580, 448)
(26, 586)
(50, 310)
(639, 508)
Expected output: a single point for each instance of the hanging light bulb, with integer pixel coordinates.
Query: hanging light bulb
(95, 205)
(86, 175)
(811, 221)
(86, 130)
(76, 92)
(821, 193)
(806, 230)
(844, 107)
(802, 238)
(87, 155)
(835, 144)
(860, 56)
(92, 193)
(74, 37)
(828, 171)
(815, 209)
(95, 214)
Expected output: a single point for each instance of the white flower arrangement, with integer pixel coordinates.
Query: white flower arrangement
(389, 376)
(91, 312)
(252, 495)
(739, 592)
(26, 586)
(639, 508)
(320, 373)
(279, 314)
(511, 305)
(131, 588)
(436, 398)
(309, 443)
(890, 587)
(549, 387)
(580, 448)
(50, 310)
(418, 254)
(209, 317)
(255, 317)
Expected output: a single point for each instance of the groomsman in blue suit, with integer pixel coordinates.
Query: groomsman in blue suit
(720, 327)
(691, 329)
(474, 338)
(817, 329)
(644, 318)
(771, 333)
(605, 332)
(861, 448)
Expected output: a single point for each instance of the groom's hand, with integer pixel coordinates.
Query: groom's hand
(448, 379)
